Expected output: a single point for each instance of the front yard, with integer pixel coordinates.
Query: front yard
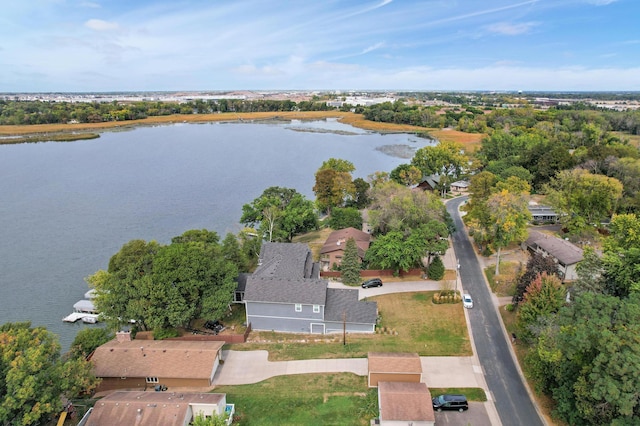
(410, 322)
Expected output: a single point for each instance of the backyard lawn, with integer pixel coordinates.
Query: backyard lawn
(410, 322)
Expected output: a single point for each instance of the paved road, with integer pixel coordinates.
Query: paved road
(508, 391)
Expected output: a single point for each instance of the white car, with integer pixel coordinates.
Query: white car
(467, 301)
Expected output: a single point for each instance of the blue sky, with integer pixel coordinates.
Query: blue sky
(135, 45)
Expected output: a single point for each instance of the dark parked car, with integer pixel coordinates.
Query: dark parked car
(373, 282)
(450, 402)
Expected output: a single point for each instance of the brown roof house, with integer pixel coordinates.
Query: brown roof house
(123, 363)
(333, 249)
(403, 403)
(394, 367)
(566, 255)
(156, 408)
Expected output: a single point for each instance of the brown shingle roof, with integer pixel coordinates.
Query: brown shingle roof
(156, 358)
(337, 239)
(149, 408)
(382, 362)
(402, 401)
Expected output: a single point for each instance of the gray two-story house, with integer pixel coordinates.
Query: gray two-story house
(286, 294)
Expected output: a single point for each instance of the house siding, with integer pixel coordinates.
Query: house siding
(282, 317)
(337, 327)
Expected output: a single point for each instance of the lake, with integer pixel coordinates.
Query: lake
(66, 208)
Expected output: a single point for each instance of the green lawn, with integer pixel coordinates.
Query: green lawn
(314, 399)
(306, 399)
(410, 322)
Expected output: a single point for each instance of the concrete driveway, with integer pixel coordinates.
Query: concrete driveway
(391, 287)
(246, 367)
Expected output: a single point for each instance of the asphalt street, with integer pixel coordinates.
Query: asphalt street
(508, 391)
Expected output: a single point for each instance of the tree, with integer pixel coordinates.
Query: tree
(589, 360)
(33, 376)
(508, 215)
(446, 158)
(213, 420)
(406, 174)
(88, 339)
(361, 197)
(397, 208)
(232, 251)
(545, 295)
(436, 270)
(333, 188)
(280, 213)
(431, 238)
(536, 265)
(389, 252)
(166, 286)
(350, 265)
(584, 198)
(347, 217)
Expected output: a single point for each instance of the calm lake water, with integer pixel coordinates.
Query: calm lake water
(66, 208)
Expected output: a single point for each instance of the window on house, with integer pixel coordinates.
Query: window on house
(316, 309)
(298, 307)
(152, 380)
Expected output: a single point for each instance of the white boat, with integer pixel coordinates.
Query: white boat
(85, 317)
(90, 319)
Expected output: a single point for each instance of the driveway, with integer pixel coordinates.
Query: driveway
(391, 287)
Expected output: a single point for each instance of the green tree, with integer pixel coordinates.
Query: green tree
(589, 360)
(350, 265)
(584, 198)
(360, 199)
(347, 217)
(280, 213)
(232, 251)
(446, 158)
(406, 174)
(213, 420)
(33, 376)
(333, 188)
(436, 270)
(166, 286)
(508, 215)
(395, 207)
(88, 339)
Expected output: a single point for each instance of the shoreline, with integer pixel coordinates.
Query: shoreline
(81, 131)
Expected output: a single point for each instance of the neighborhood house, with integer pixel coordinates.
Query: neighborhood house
(565, 253)
(156, 408)
(333, 249)
(123, 363)
(286, 294)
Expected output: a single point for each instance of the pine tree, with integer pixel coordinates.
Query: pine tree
(350, 266)
(436, 269)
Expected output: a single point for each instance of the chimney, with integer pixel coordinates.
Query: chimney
(123, 336)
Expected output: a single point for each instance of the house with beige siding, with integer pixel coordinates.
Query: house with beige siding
(123, 363)
(332, 251)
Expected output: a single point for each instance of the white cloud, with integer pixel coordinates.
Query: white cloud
(601, 2)
(510, 29)
(90, 4)
(373, 47)
(100, 25)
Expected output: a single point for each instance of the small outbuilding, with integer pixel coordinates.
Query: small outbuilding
(394, 367)
(403, 403)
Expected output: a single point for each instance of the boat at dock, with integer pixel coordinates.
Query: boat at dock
(84, 316)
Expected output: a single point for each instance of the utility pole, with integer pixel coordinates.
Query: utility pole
(344, 328)
(457, 276)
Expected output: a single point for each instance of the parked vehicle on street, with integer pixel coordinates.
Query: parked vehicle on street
(373, 282)
(467, 301)
(450, 402)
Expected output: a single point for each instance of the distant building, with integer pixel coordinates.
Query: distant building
(566, 254)
(333, 249)
(543, 214)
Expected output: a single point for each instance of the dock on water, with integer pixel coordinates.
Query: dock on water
(75, 316)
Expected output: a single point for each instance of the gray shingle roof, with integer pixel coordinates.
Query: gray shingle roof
(564, 251)
(284, 290)
(285, 260)
(340, 301)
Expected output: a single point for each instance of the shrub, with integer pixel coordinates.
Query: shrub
(165, 333)
(436, 269)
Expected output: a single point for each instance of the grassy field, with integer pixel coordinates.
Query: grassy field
(314, 399)
(505, 283)
(410, 323)
(307, 399)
